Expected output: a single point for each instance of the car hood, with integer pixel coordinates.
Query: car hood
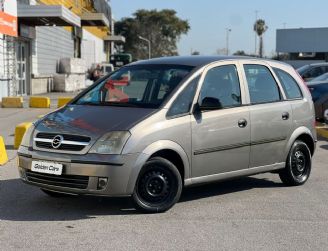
(93, 121)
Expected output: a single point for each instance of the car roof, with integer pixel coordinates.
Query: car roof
(318, 64)
(196, 61)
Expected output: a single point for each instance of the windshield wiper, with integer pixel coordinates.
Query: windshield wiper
(89, 103)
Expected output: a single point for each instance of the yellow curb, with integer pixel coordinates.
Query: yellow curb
(322, 131)
(63, 101)
(20, 130)
(39, 102)
(12, 102)
(3, 153)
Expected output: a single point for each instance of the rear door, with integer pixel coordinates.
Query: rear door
(270, 115)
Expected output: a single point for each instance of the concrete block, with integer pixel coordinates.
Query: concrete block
(63, 101)
(39, 102)
(72, 65)
(69, 82)
(20, 130)
(12, 102)
(3, 153)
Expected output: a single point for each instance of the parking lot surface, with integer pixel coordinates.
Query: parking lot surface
(252, 213)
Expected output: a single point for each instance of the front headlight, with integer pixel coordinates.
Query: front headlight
(111, 143)
(26, 141)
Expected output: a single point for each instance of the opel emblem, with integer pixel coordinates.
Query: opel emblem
(57, 141)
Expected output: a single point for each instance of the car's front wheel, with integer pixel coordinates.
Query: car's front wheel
(158, 186)
(298, 165)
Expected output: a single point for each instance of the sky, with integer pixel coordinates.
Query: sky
(209, 20)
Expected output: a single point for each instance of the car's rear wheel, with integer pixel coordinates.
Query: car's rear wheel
(158, 186)
(298, 165)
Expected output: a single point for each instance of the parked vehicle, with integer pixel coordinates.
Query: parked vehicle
(154, 127)
(119, 60)
(319, 91)
(311, 71)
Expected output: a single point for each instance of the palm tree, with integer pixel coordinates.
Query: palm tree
(260, 28)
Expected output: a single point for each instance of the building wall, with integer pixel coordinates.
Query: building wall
(302, 40)
(93, 50)
(51, 44)
(3, 75)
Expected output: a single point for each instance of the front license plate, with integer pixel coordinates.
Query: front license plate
(47, 167)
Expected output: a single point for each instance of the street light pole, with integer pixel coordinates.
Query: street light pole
(227, 39)
(149, 45)
(256, 12)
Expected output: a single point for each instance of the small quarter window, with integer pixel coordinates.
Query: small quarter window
(183, 102)
(261, 84)
(289, 84)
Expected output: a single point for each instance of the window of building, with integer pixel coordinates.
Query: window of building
(261, 84)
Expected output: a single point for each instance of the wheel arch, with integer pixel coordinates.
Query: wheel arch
(304, 134)
(167, 149)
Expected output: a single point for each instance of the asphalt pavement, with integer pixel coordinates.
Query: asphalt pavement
(252, 213)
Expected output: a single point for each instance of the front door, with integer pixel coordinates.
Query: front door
(221, 130)
(22, 66)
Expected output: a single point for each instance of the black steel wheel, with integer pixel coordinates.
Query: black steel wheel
(298, 165)
(158, 186)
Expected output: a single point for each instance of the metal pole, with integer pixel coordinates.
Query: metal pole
(149, 45)
(227, 39)
(256, 13)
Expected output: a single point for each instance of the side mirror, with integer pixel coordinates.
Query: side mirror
(210, 103)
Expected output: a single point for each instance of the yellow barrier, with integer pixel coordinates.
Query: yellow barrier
(39, 102)
(3, 153)
(322, 130)
(63, 101)
(20, 130)
(12, 102)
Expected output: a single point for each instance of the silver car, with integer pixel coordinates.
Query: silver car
(154, 127)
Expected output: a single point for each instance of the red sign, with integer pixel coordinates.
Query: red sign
(8, 24)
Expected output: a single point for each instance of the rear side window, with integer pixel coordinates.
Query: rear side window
(289, 84)
(261, 84)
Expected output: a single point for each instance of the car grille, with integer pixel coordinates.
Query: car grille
(69, 143)
(69, 181)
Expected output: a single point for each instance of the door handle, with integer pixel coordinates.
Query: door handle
(285, 116)
(242, 123)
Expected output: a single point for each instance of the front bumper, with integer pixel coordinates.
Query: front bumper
(87, 169)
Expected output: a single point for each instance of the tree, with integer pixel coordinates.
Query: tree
(240, 53)
(260, 28)
(195, 53)
(162, 28)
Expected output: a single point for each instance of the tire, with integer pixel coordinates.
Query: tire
(53, 194)
(298, 165)
(158, 186)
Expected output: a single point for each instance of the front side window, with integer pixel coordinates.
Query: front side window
(144, 86)
(289, 84)
(261, 84)
(221, 88)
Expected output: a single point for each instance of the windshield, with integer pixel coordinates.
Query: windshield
(144, 86)
(302, 69)
(323, 77)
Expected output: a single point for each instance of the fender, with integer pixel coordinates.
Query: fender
(150, 150)
(298, 132)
